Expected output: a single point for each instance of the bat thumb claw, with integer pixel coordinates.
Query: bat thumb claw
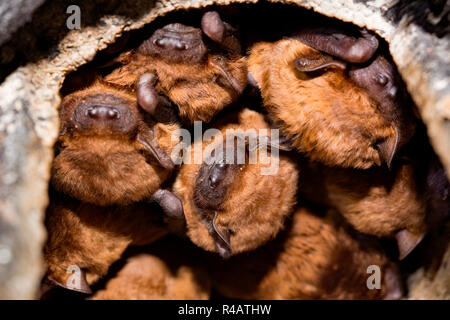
(406, 242)
(388, 148)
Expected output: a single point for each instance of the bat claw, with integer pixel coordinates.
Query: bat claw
(388, 148)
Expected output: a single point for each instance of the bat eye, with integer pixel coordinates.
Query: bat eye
(392, 92)
(381, 79)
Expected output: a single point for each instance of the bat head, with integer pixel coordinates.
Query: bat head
(176, 43)
(107, 152)
(384, 85)
(229, 204)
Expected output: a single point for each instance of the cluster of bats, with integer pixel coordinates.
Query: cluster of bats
(353, 167)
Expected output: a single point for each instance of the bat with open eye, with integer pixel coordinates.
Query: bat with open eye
(313, 258)
(182, 73)
(108, 164)
(336, 113)
(231, 206)
(376, 201)
(159, 273)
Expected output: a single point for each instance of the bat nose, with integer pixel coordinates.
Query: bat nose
(100, 112)
(171, 43)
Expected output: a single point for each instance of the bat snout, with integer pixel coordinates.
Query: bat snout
(97, 115)
(102, 112)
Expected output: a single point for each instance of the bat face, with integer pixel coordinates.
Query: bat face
(213, 182)
(231, 207)
(326, 115)
(385, 86)
(176, 43)
(380, 78)
(107, 153)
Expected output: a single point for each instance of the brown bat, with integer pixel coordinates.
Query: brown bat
(231, 207)
(182, 73)
(335, 114)
(313, 258)
(370, 70)
(108, 164)
(376, 201)
(159, 273)
(107, 151)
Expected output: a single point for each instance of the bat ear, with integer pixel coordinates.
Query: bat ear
(147, 97)
(222, 240)
(220, 32)
(151, 147)
(407, 241)
(305, 64)
(388, 148)
(170, 203)
(339, 43)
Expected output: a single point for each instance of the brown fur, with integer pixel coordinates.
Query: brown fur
(376, 201)
(328, 117)
(255, 206)
(104, 168)
(94, 237)
(199, 90)
(159, 274)
(101, 174)
(315, 258)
